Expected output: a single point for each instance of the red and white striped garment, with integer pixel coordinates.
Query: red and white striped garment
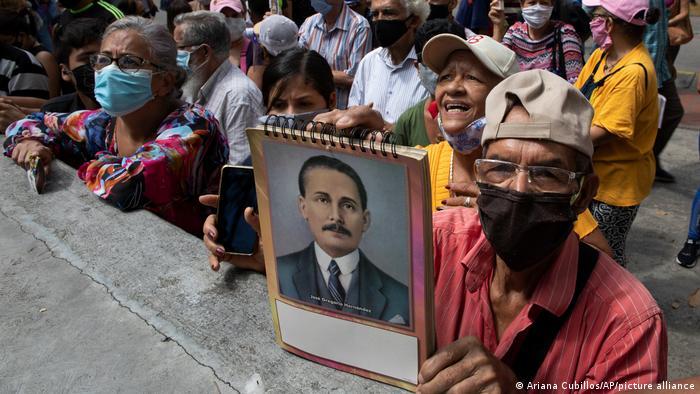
(615, 333)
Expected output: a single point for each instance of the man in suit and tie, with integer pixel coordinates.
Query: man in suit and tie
(332, 271)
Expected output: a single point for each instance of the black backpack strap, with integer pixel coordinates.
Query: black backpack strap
(562, 57)
(646, 75)
(544, 329)
(590, 85)
(558, 62)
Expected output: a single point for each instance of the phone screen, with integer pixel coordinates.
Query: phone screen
(236, 193)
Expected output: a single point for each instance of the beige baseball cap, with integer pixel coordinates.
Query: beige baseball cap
(558, 111)
(491, 53)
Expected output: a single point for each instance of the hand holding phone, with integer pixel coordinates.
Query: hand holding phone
(36, 174)
(236, 193)
(497, 14)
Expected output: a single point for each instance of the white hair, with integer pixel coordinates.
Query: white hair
(161, 44)
(206, 27)
(419, 8)
(162, 47)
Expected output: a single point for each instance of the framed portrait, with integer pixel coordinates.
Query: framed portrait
(346, 229)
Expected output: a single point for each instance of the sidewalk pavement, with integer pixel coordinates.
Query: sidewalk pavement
(688, 65)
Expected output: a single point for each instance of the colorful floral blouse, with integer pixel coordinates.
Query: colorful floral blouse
(165, 175)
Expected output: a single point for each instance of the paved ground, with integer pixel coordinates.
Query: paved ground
(61, 331)
(688, 65)
(656, 237)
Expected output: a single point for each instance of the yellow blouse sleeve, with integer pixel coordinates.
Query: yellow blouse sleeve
(585, 224)
(439, 156)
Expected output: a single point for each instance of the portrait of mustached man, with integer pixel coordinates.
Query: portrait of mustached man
(332, 271)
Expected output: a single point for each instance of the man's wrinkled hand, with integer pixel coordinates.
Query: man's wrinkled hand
(217, 253)
(465, 366)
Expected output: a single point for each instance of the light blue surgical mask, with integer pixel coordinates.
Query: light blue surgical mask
(467, 140)
(428, 78)
(321, 7)
(288, 120)
(120, 92)
(183, 60)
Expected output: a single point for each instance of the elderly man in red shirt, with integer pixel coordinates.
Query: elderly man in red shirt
(520, 302)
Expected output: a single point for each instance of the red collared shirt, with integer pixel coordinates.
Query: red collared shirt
(615, 333)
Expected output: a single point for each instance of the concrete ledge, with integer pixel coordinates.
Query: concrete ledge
(160, 273)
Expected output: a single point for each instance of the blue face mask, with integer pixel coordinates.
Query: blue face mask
(288, 120)
(428, 78)
(119, 92)
(183, 60)
(321, 7)
(468, 139)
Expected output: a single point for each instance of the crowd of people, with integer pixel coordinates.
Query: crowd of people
(539, 155)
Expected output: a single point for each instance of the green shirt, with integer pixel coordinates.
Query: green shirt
(409, 129)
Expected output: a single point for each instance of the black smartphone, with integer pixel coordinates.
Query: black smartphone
(236, 193)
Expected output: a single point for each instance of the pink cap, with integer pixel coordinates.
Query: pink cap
(623, 9)
(218, 5)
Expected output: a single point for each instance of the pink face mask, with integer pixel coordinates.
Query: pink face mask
(600, 36)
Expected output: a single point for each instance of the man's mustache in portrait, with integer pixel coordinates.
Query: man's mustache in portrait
(338, 228)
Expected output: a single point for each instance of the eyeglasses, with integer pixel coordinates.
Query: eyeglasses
(125, 63)
(542, 179)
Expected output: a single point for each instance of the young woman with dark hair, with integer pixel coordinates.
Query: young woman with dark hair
(298, 81)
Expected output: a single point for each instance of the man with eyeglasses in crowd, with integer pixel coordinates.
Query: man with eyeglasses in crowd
(520, 301)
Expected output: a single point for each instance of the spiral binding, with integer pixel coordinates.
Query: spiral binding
(292, 128)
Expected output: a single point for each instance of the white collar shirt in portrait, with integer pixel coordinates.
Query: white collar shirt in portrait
(347, 264)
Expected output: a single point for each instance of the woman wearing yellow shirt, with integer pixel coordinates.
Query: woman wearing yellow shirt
(468, 70)
(620, 82)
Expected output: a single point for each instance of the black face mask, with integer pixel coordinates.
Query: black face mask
(70, 4)
(389, 31)
(524, 228)
(438, 11)
(85, 80)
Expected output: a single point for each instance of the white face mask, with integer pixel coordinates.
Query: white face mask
(236, 27)
(537, 15)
